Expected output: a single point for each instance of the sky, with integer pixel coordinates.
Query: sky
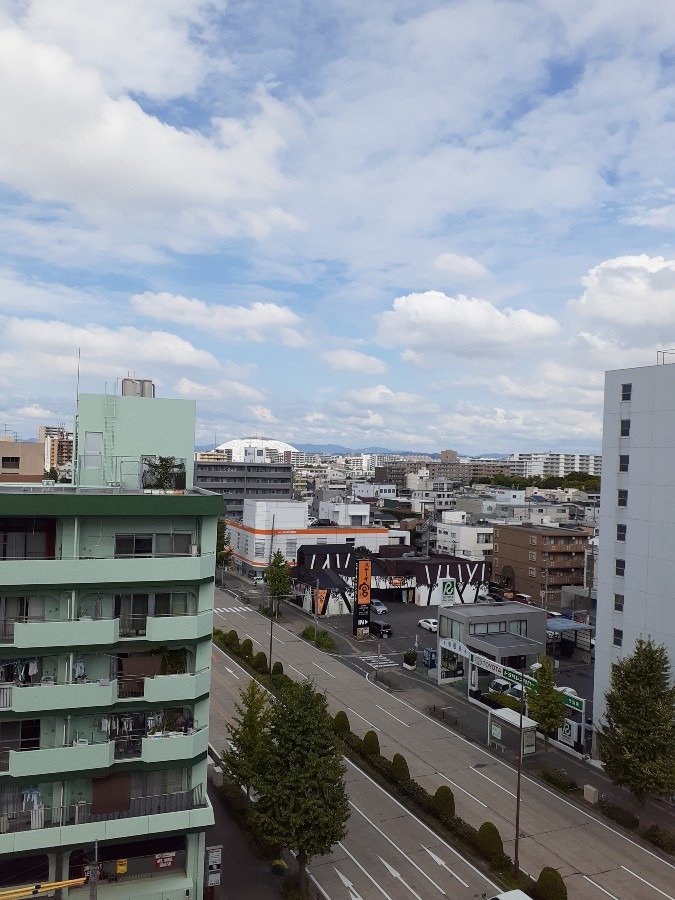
(400, 223)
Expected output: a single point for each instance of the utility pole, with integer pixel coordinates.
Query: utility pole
(93, 875)
(271, 626)
(315, 595)
(516, 863)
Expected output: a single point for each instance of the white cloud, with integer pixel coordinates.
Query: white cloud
(50, 348)
(381, 395)
(461, 268)
(225, 389)
(262, 414)
(147, 48)
(35, 412)
(257, 322)
(353, 361)
(630, 292)
(32, 294)
(460, 326)
(315, 417)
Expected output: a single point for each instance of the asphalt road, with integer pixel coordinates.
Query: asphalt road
(595, 859)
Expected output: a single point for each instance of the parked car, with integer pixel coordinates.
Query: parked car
(380, 629)
(517, 691)
(567, 690)
(428, 624)
(500, 685)
(378, 607)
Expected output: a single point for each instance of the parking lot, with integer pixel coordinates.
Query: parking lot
(402, 618)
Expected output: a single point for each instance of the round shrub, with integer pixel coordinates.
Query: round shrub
(399, 769)
(661, 838)
(260, 662)
(341, 723)
(444, 803)
(246, 648)
(371, 744)
(550, 885)
(489, 842)
(278, 668)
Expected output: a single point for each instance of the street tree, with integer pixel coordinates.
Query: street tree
(223, 548)
(278, 578)
(246, 757)
(546, 705)
(302, 800)
(637, 739)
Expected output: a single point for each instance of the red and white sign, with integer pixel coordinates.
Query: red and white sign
(165, 860)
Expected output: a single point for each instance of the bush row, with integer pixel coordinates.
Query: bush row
(559, 779)
(441, 805)
(323, 641)
(229, 641)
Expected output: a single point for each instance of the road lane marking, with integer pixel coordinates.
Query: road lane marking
(365, 872)
(374, 727)
(648, 883)
(298, 671)
(353, 893)
(454, 784)
(278, 640)
(496, 784)
(590, 881)
(317, 885)
(396, 847)
(394, 874)
(440, 862)
(393, 716)
(323, 670)
(253, 639)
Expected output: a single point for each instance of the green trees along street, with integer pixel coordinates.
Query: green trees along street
(278, 577)
(546, 705)
(249, 731)
(637, 739)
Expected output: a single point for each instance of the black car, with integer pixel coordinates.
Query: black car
(380, 629)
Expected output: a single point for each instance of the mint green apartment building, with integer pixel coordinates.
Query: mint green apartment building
(106, 599)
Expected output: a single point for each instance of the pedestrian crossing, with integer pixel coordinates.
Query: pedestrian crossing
(378, 662)
(224, 609)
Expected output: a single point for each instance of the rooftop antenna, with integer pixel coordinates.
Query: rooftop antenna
(77, 391)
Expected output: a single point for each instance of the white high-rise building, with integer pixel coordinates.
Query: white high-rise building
(636, 557)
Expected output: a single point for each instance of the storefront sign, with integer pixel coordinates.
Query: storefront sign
(122, 866)
(165, 860)
(456, 647)
(361, 620)
(213, 865)
(489, 664)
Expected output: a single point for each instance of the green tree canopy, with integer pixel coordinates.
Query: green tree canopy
(546, 705)
(278, 577)
(302, 799)
(637, 741)
(248, 736)
(223, 549)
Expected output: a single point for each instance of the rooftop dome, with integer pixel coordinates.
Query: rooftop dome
(238, 446)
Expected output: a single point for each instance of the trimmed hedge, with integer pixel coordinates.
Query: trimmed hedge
(371, 744)
(324, 641)
(341, 723)
(260, 662)
(399, 769)
(489, 842)
(557, 778)
(444, 804)
(661, 838)
(550, 885)
(278, 668)
(246, 650)
(619, 814)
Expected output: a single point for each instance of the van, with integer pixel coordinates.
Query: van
(380, 629)
(500, 685)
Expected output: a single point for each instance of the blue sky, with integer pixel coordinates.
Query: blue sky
(410, 224)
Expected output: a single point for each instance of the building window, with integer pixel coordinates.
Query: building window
(622, 498)
(518, 626)
(533, 540)
(623, 463)
(259, 549)
(10, 462)
(533, 556)
(621, 532)
(626, 391)
(496, 532)
(618, 602)
(496, 548)
(478, 628)
(625, 428)
(291, 549)
(620, 567)
(133, 545)
(532, 573)
(618, 637)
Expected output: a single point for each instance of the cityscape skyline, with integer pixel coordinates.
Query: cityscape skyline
(388, 226)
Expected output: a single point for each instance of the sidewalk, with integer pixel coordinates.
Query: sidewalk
(244, 876)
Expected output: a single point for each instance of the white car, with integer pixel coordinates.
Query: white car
(428, 624)
(562, 689)
(378, 607)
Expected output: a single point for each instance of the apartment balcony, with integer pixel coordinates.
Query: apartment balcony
(165, 689)
(89, 570)
(56, 761)
(49, 697)
(76, 824)
(82, 632)
(162, 747)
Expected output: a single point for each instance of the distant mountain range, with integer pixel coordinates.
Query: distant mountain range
(339, 450)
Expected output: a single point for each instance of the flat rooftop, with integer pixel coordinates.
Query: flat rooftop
(489, 610)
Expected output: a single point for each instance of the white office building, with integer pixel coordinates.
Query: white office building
(636, 561)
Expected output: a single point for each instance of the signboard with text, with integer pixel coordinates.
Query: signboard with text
(214, 857)
(448, 590)
(165, 860)
(361, 622)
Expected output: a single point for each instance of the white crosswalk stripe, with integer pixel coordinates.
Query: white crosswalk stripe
(222, 609)
(378, 662)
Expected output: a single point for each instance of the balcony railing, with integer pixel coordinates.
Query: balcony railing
(130, 746)
(80, 813)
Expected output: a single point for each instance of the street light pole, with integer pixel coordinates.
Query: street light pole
(315, 592)
(271, 625)
(516, 864)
